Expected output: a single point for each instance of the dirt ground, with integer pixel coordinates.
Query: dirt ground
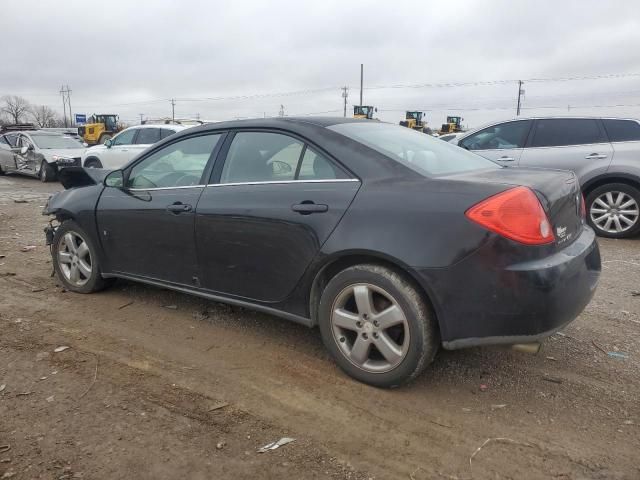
(157, 384)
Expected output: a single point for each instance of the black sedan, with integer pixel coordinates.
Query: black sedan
(390, 241)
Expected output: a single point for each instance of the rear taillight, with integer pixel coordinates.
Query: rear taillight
(516, 214)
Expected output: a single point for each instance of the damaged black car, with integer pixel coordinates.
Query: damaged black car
(393, 243)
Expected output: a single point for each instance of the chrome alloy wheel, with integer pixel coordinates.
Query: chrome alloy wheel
(74, 259)
(614, 212)
(370, 328)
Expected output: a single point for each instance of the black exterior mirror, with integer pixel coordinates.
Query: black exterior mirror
(115, 179)
(108, 142)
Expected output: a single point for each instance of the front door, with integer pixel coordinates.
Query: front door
(502, 143)
(270, 209)
(147, 227)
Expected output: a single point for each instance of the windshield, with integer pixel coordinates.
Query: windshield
(420, 152)
(55, 141)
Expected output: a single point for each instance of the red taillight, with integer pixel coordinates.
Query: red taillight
(516, 214)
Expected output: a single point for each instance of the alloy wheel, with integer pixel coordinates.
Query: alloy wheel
(614, 212)
(74, 259)
(370, 328)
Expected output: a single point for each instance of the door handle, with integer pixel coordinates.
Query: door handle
(178, 207)
(596, 156)
(308, 207)
(506, 159)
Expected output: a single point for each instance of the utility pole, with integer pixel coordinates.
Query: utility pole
(345, 95)
(281, 112)
(141, 120)
(361, 80)
(520, 94)
(66, 99)
(173, 109)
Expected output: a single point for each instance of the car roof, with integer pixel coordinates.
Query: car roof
(279, 122)
(175, 128)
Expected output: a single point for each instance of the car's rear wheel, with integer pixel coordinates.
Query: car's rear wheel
(377, 326)
(47, 172)
(92, 162)
(613, 210)
(75, 259)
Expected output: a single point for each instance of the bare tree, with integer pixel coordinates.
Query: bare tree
(15, 107)
(43, 116)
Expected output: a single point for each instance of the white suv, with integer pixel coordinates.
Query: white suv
(117, 151)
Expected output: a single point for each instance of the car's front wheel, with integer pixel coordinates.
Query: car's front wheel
(92, 162)
(613, 210)
(47, 172)
(377, 326)
(75, 259)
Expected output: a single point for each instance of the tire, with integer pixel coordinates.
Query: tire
(92, 162)
(414, 336)
(2, 172)
(104, 137)
(69, 235)
(47, 173)
(603, 206)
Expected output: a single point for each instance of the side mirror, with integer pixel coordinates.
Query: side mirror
(108, 142)
(85, 144)
(24, 150)
(115, 179)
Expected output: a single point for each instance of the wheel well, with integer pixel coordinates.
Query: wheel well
(331, 269)
(88, 159)
(603, 181)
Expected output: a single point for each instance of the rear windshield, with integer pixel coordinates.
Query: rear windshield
(420, 152)
(55, 141)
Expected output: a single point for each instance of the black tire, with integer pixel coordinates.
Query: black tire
(423, 341)
(615, 188)
(94, 282)
(104, 137)
(92, 162)
(2, 172)
(47, 172)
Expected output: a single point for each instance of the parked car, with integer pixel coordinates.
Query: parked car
(117, 151)
(391, 241)
(38, 153)
(603, 152)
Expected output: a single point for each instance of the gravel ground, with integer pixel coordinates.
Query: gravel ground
(146, 391)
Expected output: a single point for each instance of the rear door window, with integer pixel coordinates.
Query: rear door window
(559, 132)
(148, 136)
(499, 137)
(165, 132)
(622, 130)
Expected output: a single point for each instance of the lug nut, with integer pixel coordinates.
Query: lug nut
(365, 316)
(376, 323)
(342, 339)
(375, 335)
(358, 324)
(365, 336)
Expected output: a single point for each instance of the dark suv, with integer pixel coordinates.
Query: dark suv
(603, 152)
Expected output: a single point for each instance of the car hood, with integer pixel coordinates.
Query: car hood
(71, 177)
(62, 152)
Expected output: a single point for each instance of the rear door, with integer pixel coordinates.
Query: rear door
(577, 144)
(502, 142)
(7, 155)
(145, 138)
(272, 203)
(147, 227)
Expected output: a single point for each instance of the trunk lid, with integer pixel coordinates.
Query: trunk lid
(558, 192)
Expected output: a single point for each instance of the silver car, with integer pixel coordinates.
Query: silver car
(603, 152)
(38, 153)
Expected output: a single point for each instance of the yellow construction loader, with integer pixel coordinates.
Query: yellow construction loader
(99, 127)
(362, 111)
(414, 120)
(453, 125)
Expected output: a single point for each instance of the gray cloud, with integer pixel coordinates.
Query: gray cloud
(131, 57)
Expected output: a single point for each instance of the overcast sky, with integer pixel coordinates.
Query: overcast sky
(132, 57)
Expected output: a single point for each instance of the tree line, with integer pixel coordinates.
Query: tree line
(15, 109)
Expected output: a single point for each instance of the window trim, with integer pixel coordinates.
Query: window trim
(216, 174)
(598, 121)
(156, 147)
